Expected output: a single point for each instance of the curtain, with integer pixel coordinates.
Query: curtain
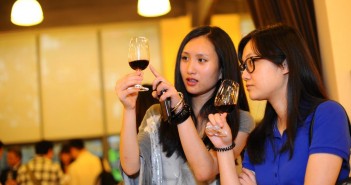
(297, 13)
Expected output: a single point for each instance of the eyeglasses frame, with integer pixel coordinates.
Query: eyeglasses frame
(243, 65)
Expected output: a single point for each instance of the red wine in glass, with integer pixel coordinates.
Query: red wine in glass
(139, 64)
(225, 108)
(138, 57)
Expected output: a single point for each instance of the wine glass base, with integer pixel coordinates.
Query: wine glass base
(139, 87)
(215, 131)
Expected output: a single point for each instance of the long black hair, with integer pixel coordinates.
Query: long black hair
(278, 43)
(229, 67)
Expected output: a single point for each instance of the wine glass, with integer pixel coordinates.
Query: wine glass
(139, 56)
(225, 101)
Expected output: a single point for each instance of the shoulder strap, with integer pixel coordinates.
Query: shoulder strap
(312, 123)
(32, 177)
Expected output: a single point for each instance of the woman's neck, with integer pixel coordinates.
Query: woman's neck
(279, 102)
(280, 107)
(197, 103)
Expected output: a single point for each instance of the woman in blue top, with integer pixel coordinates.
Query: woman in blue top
(277, 67)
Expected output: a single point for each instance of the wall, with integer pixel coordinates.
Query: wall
(19, 89)
(333, 21)
(59, 83)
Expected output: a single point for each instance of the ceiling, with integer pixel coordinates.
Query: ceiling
(78, 12)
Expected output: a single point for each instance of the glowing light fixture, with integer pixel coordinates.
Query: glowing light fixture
(153, 8)
(26, 13)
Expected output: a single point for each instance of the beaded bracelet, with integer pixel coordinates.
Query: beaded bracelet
(182, 115)
(225, 148)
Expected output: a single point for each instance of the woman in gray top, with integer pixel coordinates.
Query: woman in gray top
(177, 150)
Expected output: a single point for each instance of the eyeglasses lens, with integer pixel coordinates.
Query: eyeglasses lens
(250, 65)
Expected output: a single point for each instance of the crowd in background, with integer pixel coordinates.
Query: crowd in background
(76, 165)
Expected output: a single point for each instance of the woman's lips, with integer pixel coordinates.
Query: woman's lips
(248, 86)
(191, 81)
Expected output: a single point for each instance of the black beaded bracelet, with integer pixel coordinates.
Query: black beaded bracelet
(182, 115)
(225, 148)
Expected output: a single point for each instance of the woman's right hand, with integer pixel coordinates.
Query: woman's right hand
(127, 95)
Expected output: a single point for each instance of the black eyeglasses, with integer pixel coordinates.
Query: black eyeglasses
(249, 64)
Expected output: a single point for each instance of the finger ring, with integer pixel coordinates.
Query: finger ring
(157, 85)
(163, 91)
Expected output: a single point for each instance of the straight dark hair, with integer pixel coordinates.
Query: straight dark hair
(43, 147)
(278, 43)
(76, 143)
(229, 66)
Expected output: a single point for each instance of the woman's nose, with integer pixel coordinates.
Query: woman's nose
(245, 75)
(190, 67)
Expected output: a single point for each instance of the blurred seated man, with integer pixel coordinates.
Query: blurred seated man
(9, 174)
(86, 167)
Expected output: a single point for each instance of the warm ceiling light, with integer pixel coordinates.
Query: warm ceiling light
(153, 8)
(26, 13)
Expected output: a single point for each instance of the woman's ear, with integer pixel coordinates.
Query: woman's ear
(285, 67)
(220, 75)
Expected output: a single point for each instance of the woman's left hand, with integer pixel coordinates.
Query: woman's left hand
(219, 120)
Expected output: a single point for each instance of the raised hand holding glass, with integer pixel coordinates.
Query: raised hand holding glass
(225, 101)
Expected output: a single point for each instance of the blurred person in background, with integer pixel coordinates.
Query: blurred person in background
(9, 174)
(1, 148)
(41, 169)
(65, 157)
(86, 167)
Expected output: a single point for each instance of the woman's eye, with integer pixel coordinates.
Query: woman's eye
(202, 60)
(184, 58)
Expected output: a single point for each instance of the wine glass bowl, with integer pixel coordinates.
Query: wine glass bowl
(225, 101)
(227, 96)
(139, 56)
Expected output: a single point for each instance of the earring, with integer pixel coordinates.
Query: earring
(284, 64)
